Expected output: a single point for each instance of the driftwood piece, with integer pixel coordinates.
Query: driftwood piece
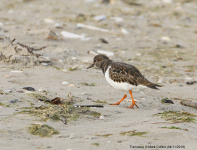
(189, 103)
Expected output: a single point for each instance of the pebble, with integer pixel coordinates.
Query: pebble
(167, 1)
(64, 70)
(41, 90)
(74, 67)
(117, 19)
(138, 54)
(14, 101)
(191, 82)
(7, 76)
(103, 40)
(48, 20)
(71, 85)
(8, 91)
(160, 80)
(165, 39)
(124, 31)
(10, 11)
(45, 64)
(101, 117)
(85, 39)
(57, 25)
(100, 18)
(93, 137)
(61, 61)
(29, 88)
(179, 45)
(84, 93)
(165, 100)
(85, 61)
(28, 92)
(90, 1)
(65, 82)
(74, 135)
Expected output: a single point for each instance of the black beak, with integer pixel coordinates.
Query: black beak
(92, 65)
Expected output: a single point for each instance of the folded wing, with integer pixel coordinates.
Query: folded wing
(122, 72)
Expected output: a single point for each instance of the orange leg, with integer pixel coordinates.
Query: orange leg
(133, 102)
(120, 100)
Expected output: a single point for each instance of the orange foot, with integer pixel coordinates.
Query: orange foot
(133, 102)
(120, 100)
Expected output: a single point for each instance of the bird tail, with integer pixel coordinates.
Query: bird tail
(148, 83)
(154, 86)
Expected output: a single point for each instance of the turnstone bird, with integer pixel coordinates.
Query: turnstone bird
(122, 76)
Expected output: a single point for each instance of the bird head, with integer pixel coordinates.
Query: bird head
(98, 60)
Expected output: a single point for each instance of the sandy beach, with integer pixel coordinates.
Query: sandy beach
(48, 45)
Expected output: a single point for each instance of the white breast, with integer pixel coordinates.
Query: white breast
(123, 85)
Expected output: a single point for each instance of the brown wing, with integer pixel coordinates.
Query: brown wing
(122, 72)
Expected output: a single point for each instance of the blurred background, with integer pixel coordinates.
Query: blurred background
(158, 36)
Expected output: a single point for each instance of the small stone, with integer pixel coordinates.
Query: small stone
(100, 18)
(71, 85)
(93, 137)
(166, 100)
(73, 68)
(10, 11)
(48, 20)
(29, 88)
(28, 92)
(165, 39)
(138, 54)
(179, 45)
(117, 19)
(60, 60)
(14, 101)
(64, 70)
(7, 76)
(8, 91)
(57, 25)
(103, 40)
(41, 90)
(191, 82)
(74, 135)
(65, 82)
(124, 31)
(84, 93)
(45, 64)
(167, 1)
(101, 117)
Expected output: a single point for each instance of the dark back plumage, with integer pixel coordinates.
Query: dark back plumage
(122, 72)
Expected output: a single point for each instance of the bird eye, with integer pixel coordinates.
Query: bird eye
(94, 60)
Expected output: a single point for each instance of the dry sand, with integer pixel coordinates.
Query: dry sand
(160, 60)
